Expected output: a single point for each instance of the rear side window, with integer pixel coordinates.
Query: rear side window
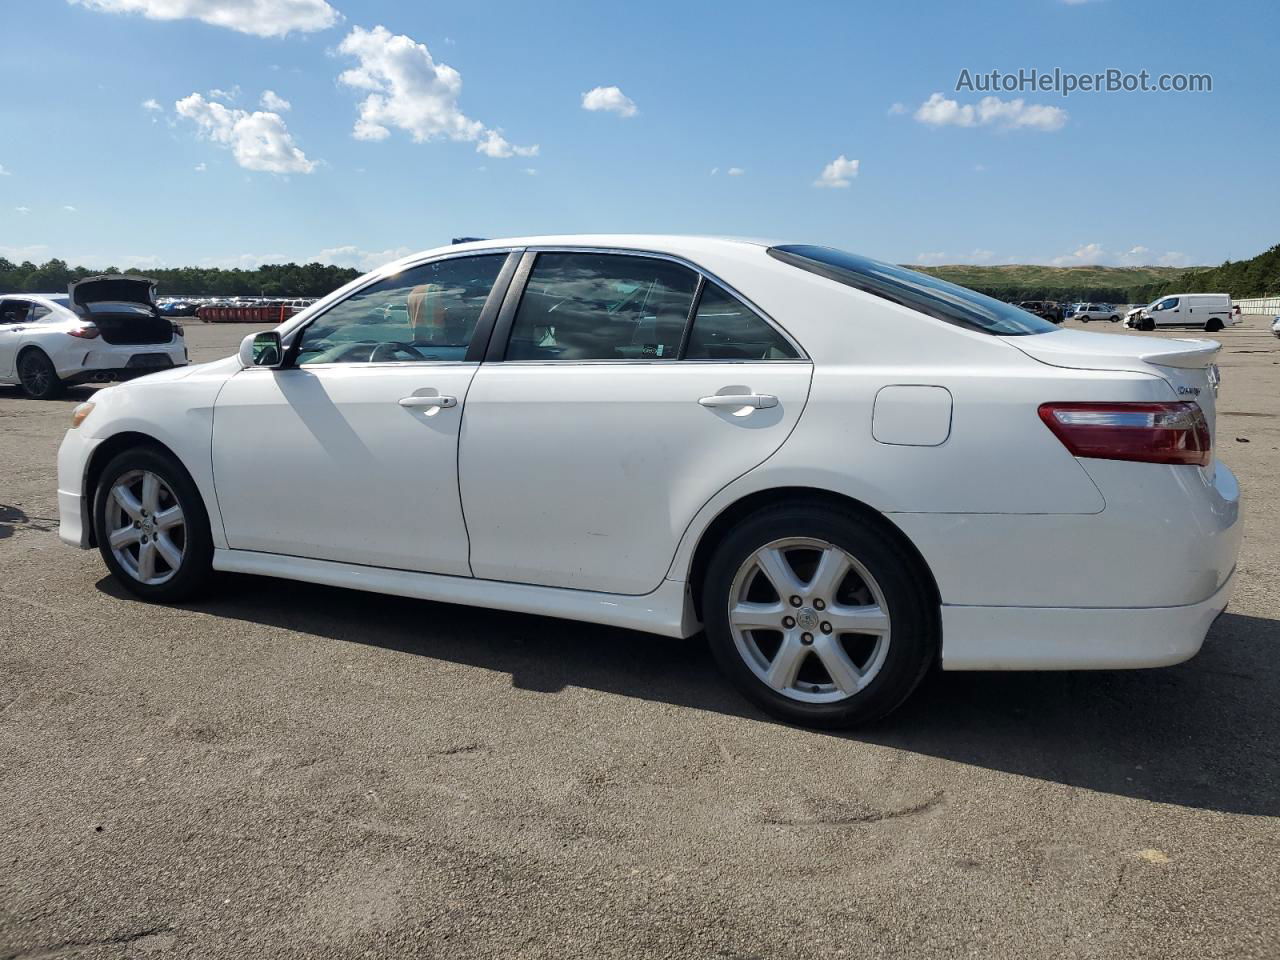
(725, 328)
(600, 306)
(936, 298)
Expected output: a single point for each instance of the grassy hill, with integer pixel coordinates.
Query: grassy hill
(1025, 281)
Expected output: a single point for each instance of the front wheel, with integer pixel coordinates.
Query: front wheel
(38, 377)
(152, 527)
(819, 617)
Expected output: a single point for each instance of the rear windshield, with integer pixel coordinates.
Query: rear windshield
(917, 291)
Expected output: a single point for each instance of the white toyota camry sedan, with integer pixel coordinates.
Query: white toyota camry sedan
(844, 471)
(104, 328)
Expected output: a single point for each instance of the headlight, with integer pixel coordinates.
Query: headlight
(80, 412)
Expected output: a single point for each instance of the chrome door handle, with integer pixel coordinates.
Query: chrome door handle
(761, 401)
(428, 401)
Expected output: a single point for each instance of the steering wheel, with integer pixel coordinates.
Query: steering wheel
(393, 347)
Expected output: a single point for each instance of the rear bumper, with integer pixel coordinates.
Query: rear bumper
(1065, 638)
(102, 362)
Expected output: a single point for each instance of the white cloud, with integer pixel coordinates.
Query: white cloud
(611, 99)
(366, 260)
(152, 104)
(979, 168)
(201, 167)
(938, 111)
(1173, 259)
(837, 173)
(973, 256)
(736, 171)
(22, 210)
(258, 140)
(531, 171)
(931, 259)
(4, 172)
(274, 102)
(228, 95)
(69, 208)
(262, 18)
(714, 171)
(409, 90)
(35, 252)
(1089, 253)
(897, 109)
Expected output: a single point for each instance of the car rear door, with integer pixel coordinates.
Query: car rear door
(619, 393)
(350, 453)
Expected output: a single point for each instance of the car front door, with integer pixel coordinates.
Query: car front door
(620, 392)
(349, 452)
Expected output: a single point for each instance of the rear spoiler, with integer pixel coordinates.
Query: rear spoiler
(1190, 355)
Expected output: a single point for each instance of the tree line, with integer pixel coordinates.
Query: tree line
(269, 280)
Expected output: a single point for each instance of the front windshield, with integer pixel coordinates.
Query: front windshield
(921, 292)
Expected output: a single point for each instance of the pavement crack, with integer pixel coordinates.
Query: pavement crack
(877, 817)
(72, 946)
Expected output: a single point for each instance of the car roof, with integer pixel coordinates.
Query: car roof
(672, 244)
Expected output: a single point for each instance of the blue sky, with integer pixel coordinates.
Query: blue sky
(385, 148)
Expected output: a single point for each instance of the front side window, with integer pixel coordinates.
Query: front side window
(725, 328)
(1167, 304)
(428, 312)
(601, 306)
(921, 292)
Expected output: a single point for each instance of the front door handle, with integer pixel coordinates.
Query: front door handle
(761, 401)
(437, 401)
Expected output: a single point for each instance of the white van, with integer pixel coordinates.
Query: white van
(1202, 311)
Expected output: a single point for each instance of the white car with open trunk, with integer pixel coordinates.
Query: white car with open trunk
(103, 329)
(846, 472)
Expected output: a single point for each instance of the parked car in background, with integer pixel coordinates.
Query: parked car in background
(1097, 311)
(105, 328)
(799, 449)
(1045, 309)
(1275, 326)
(1199, 311)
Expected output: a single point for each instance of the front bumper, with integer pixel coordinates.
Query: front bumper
(1077, 638)
(74, 526)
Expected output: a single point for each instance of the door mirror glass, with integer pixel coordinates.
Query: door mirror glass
(261, 350)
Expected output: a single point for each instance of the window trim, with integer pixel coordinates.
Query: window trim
(479, 336)
(501, 334)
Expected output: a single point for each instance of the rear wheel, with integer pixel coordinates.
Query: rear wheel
(151, 525)
(1115, 319)
(1213, 326)
(38, 377)
(819, 617)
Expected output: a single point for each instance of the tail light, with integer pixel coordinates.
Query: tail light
(1145, 432)
(85, 331)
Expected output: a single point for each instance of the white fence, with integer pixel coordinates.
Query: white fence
(1264, 305)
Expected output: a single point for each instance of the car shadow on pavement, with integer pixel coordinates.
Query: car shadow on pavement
(1203, 734)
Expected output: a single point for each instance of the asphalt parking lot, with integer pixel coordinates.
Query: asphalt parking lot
(284, 770)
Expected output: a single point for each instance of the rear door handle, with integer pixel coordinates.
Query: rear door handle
(438, 401)
(761, 401)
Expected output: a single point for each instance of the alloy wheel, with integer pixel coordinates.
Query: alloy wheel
(146, 527)
(809, 620)
(34, 375)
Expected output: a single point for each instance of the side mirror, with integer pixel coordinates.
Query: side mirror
(261, 350)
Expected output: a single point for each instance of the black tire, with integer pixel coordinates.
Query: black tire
(38, 377)
(195, 570)
(914, 638)
(1147, 324)
(1084, 319)
(1213, 326)
(1115, 319)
